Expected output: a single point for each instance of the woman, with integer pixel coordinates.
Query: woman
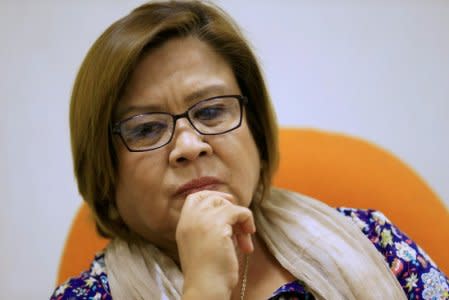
(174, 144)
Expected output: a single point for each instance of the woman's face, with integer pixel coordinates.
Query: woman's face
(171, 78)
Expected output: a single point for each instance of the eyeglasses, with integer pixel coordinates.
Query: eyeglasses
(153, 130)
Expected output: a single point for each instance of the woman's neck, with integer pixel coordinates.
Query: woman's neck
(265, 274)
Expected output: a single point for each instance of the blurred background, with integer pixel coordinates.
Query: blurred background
(377, 70)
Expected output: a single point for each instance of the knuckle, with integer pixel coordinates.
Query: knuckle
(228, 231)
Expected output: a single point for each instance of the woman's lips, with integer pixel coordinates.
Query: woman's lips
(196, 185)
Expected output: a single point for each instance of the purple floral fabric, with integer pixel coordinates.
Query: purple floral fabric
(90, 285)
(418, 275)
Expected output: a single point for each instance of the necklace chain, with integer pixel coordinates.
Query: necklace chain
(245, 277)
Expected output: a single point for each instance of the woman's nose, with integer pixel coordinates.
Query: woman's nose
(188, 144)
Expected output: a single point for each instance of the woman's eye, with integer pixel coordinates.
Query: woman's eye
(209, 113)
(148, 130)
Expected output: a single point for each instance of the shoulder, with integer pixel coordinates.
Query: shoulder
(91, 284)
(416, 272)
(372, 223)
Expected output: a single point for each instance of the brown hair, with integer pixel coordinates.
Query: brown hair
(106, 70)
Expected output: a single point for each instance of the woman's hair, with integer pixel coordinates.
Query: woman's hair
(104, 75)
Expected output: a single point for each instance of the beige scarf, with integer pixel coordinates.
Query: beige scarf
(313, 241)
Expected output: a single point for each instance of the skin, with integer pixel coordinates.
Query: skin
(204, 231)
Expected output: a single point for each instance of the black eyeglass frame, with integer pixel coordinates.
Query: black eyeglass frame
(116, 128)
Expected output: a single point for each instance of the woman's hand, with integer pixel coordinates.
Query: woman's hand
(210, 231)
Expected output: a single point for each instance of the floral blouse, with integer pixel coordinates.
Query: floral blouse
(418, 275)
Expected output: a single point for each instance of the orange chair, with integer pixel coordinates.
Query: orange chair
(338, 169)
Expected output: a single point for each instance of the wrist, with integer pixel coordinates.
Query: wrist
(210, 293)
(205, 288)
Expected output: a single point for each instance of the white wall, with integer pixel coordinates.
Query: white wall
(379, 70)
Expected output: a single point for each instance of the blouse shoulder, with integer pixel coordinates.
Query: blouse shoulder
(91, 284)
(418, 275)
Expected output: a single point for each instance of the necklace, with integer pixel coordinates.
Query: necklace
(245, 277)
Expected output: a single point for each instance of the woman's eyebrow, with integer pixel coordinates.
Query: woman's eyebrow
(201, 94)
(137, 109)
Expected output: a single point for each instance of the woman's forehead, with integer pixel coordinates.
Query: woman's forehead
(182, 70)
